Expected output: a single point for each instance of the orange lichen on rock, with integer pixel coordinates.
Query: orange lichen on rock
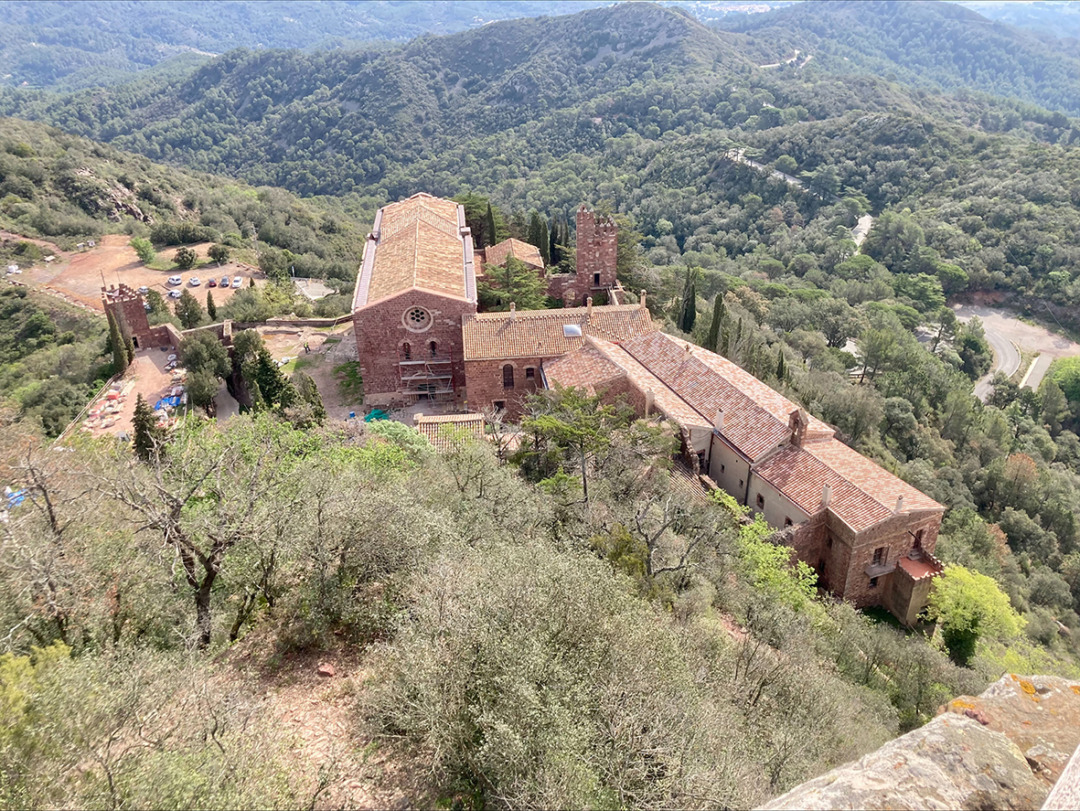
(960, 704)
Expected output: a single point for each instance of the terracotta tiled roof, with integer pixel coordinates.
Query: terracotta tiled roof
(585, 368)
(755, 416)
(690, 384)
(600, 362)
(417, 243)
(445, 431)
(498, 254)
(541, 333)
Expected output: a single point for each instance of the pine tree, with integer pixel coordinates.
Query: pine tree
(490, 237)
(116, 344)
(717, 322)
(211, 308)
(148, 436)
(188, 310)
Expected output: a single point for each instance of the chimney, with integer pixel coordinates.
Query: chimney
(649, 399)
(899, 504)
(513, 309)
(588, 306)
(642, 302)
(718, 422)
(826, 495)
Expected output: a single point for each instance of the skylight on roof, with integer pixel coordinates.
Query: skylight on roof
(571, 331)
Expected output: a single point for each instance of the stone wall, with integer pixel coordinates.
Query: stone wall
(897, 536)
(484, 384)
(1004, 749)
(381, 336)
(597, 259)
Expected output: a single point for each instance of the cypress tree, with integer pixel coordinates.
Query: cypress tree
(544, 244)
(489, 227)
(689, 308)
(211, 308)
(781, 369)
(535, 232)
(553, 242)
(738, 335)
(129, 349)
(116, 344)
(717, 322)
(147, 434)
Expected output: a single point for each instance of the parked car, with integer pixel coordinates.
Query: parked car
(194, 281)
(144, 290)
(147, 307)
(174, 280)
(224, 281)
(174, 294)
(237, 281)
(212, 283)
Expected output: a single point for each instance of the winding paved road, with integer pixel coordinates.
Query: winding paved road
(1006, 334)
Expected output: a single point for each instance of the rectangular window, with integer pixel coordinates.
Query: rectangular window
(881, 554)
(760, 501)
(873, 582)
(530, 373)
(722, 468)
(596, 279)
(500, 405)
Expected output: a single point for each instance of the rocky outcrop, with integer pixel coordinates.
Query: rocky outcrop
(1004, 749)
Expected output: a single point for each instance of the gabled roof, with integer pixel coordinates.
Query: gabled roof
(600, 363)
(446, 431)
(691, 384)
(542, 333)
(418, 243)
(755, 416)
(498, 254)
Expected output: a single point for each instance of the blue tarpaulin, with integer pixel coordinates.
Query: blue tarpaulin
(166, 401)
(15, 498)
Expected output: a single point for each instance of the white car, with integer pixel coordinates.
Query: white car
(175, 280)
(237, 281)
(144, 290)
(194, 281)
(174, 294)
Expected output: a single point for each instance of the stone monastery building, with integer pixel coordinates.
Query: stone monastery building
(869, 535)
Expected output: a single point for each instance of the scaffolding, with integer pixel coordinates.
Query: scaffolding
(431, 377)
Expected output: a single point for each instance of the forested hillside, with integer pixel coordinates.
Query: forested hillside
(95, 42)
(521, 644)
(924, 44)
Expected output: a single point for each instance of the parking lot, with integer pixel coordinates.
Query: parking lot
(79, 276)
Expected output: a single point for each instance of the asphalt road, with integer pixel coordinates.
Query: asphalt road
(1005, 334)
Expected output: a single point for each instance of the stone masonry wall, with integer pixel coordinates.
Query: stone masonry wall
(484, 384)
(126, 306)
(381, 335)
(897, 536)
(597, 258)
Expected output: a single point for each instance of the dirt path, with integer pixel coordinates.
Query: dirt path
(316, 698)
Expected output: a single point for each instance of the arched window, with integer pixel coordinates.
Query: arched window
(508, 376)
(434, 347)
(406, 350)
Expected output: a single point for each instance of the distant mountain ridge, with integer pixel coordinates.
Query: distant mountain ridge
(925, 44)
